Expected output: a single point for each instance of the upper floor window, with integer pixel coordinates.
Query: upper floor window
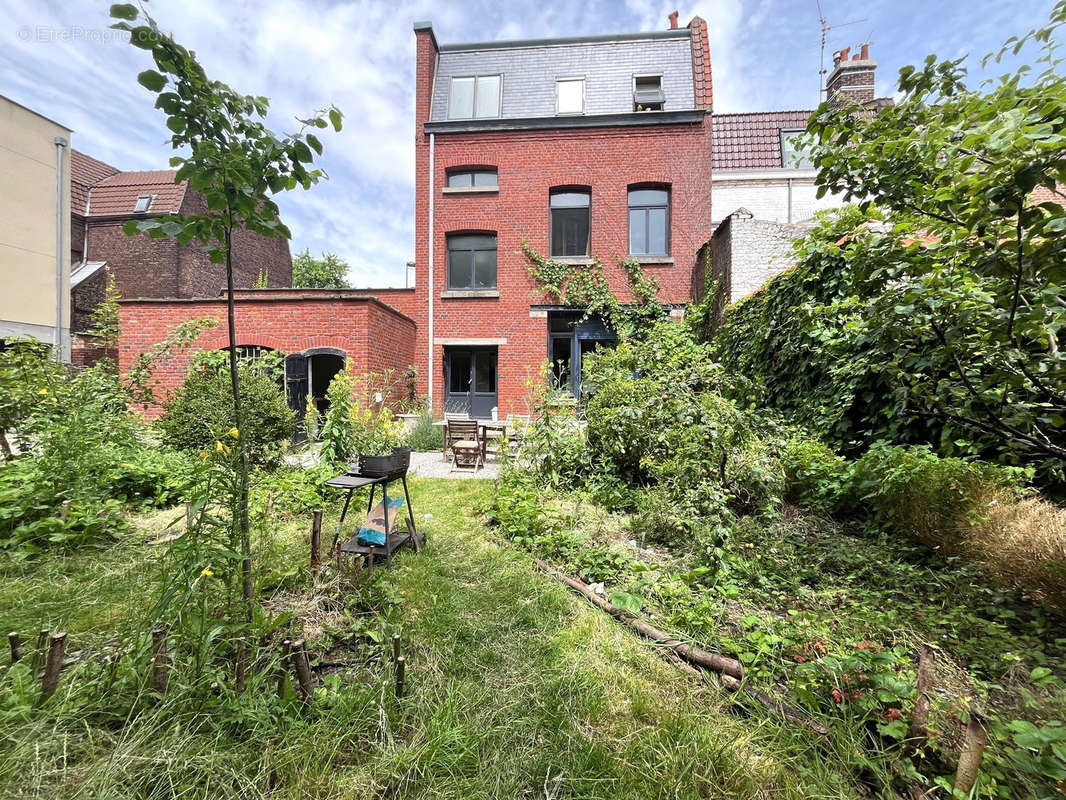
(648, 93)
(570, 222)
(466, 178)
(570, 96)
(472, 261)
(649, 222)
(144, 202)
(794, 152)
(475, 97)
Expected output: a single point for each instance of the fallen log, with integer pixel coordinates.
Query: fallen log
(695, 655)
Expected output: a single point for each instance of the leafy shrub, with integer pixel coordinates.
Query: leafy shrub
(151, 476)
(201, 412)
(816, 477)
(658, 415)
(425, 437)
(916, 493)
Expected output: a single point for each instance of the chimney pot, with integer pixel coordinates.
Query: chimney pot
(673, 20)
(844, 53)
(865, 50)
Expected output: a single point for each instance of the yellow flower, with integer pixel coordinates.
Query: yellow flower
(218, 447)
(203, 455)
(43, 391)
(234, 432)
(207, 573)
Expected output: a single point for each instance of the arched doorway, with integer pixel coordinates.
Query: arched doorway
(308, 374)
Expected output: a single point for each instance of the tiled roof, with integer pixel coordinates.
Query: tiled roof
(118, 194)
(752, 141)
(85, 171)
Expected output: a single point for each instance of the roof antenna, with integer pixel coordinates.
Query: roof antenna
(826, 27)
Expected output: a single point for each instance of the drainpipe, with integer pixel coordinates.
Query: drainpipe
(790, 200)
(429, 279)
(60, 143)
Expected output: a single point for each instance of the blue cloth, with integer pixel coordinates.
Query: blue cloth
(372, 537)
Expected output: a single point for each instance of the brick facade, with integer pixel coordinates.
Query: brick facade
(373, 336)
(529, 164)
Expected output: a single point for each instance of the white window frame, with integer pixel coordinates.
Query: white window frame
(136, 206)
(473, 103)
(584, 89)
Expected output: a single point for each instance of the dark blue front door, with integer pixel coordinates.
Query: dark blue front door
(470, 378)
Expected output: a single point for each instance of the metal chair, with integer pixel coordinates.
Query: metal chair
(465, 444)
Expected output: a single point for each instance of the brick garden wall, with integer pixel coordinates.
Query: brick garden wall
(372, 335)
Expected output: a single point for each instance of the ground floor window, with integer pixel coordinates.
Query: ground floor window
(570, 338)
(470, 381)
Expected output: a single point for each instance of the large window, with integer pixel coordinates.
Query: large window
(472, 261)
(649, 222)
(571, 337)
(570, 222)
(570, 96)
(475, 97)
(468, 178)
(794, 152)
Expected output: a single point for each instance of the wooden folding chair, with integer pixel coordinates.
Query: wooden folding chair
(465, 444)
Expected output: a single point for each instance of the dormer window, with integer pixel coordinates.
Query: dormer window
(648, 93)
(477, 97)
(144, 202)
(570, 96)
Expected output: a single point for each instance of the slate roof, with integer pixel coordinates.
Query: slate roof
(85, 171)
(752, 141)
(118, 194)
(530, 68)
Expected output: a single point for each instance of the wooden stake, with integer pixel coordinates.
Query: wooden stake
(160, 660)
(14, 642)
(270, 507)
(283, 673)
(400, 663)
(973, 750)
(57, 644)
(395, 647)
(926, 661)
(242, 666)
(38, 654)
(303, 669)
(316, 542)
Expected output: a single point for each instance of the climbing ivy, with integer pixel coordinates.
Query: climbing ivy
(585, 286)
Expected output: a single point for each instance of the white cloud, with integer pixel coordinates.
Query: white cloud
(359, 55)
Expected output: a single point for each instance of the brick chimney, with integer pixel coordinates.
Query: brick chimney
(673, 20)
(852, 80)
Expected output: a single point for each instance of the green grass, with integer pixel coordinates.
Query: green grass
(516, 689)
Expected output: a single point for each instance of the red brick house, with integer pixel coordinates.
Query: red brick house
(584, 147)
(103, 198)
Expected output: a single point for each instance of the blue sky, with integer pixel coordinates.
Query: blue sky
(60, 59)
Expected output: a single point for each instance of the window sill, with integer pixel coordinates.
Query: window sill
(470, 190)
(581, 261)
(651, 260)
(456, 294)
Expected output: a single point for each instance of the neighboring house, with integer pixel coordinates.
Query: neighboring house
(763, 189)
(104, 198)
(582, 147)
(35, 234)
